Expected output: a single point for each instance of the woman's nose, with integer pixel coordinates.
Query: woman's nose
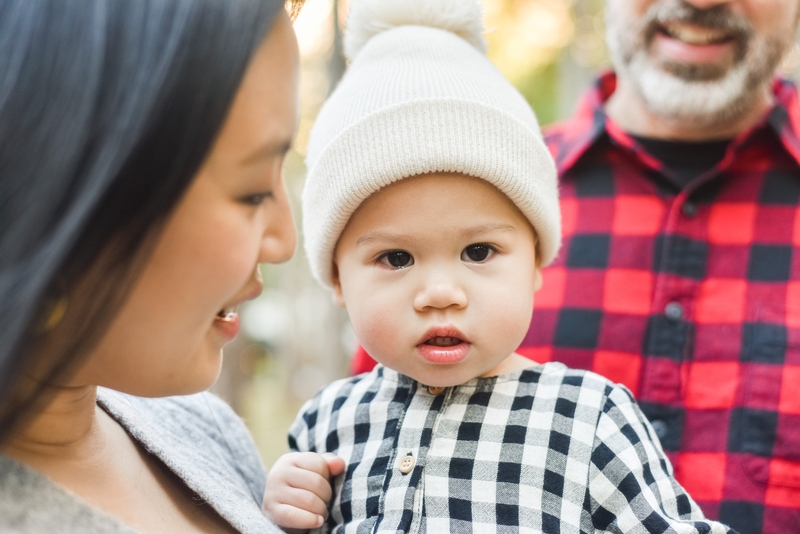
(440, 293)
(280, 237)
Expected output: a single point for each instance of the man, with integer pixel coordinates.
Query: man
(680, 271)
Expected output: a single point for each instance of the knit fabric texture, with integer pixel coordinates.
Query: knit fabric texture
(417, 100)
(197, 437)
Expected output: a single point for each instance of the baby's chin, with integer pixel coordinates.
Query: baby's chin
(446, 376)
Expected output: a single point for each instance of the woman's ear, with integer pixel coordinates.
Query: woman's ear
(338, 297)
(537, 278)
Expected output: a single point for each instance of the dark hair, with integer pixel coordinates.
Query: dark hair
(107, 110)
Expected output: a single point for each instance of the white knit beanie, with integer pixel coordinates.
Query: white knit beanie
(421, 97)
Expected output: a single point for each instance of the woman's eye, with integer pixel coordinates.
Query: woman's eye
(477, 253)
(397, 259)
(257, 199)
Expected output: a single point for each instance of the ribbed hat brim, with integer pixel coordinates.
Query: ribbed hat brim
(428, 136)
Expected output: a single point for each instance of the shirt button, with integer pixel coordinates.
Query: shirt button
(674, 311)
(661, 428)
(689, 209)
(435, 390)
(407, 464)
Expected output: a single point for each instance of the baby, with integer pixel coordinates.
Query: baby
(430, 206)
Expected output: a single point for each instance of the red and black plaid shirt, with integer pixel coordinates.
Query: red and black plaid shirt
(691, 298)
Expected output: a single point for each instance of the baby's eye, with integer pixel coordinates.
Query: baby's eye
(397, 259)
(477, 253)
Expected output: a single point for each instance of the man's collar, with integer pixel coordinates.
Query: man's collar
(570, 140)
(784, 117)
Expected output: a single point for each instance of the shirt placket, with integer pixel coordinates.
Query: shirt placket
(680, 267)
(413, 443)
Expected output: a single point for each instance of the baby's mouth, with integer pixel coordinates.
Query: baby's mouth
(444, 345)
(441, 341)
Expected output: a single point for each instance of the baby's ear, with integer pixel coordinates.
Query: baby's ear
(537, 278)
(338, 297)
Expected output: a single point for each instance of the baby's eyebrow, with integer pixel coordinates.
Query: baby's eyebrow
(466, 233)
(474, 231)
(383, 236)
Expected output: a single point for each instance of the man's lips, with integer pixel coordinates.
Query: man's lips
(443, 345)
(695, 35)
(689, 43)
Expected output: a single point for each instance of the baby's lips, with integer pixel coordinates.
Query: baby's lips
(442, 331)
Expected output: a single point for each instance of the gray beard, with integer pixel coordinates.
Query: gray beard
(694, 96)
(700, 103)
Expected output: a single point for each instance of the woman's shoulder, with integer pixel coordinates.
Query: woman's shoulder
(202, 440)
(155, 422)
(31, 503)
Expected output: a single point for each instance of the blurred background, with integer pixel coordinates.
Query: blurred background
(294, 340)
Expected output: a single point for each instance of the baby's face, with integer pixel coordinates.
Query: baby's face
(438, 274)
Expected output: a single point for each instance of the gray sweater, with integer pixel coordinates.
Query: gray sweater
(198, 437)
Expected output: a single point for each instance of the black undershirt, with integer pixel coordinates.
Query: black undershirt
(684, 160)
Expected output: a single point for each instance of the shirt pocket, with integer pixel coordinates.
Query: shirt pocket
(766, 427)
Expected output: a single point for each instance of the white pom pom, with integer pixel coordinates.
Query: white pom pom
(368, 18)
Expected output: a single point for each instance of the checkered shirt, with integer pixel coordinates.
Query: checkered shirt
(547, 449)
(691, 298)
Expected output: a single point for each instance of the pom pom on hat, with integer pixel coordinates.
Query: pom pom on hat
(368, 18)
(421, 97)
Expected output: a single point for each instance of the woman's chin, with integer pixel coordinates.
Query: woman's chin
(197, 374)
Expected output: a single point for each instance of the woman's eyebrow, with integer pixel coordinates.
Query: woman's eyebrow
(267, 151)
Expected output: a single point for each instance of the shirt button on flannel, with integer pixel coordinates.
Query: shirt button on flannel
(674, 311)
(689, 209)
(660, 428)
(435, 390)
(407, 464)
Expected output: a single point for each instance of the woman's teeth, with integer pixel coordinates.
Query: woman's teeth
(226, 314)
(695, 35)
(443, 341)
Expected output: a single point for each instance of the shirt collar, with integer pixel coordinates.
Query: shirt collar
(571, 139)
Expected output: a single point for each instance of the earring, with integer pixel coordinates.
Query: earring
(56, 314)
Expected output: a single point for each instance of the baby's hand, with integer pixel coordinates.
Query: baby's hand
(299, 489)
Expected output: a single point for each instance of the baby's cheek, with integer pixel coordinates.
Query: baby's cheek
(509, 313)
(375, 325)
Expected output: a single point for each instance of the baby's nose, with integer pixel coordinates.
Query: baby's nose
(440, 294)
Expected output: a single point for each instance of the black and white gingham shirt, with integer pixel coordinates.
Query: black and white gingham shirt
(547, 449)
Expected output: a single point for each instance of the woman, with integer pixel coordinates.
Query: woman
(141, 146)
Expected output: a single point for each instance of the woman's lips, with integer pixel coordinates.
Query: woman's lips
(227, 323)
(443, 345)
(227, 319)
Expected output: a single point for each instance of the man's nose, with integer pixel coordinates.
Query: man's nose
(708, 4)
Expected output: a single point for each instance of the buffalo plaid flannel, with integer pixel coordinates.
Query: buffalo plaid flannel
(691, 298)
(546, 449)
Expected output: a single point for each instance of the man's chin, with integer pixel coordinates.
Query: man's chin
(702, 98)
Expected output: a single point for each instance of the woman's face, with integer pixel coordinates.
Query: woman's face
(167, 338)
